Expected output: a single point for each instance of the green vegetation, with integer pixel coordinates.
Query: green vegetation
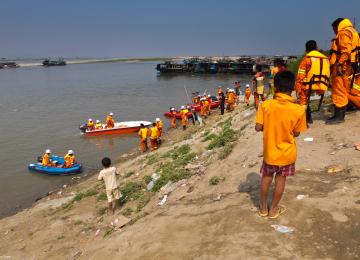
(143, 201)
(131, 191)
(79, 196)
(134, 220)
(101, 197)
(226, 151)
(215, 180)
(60, 237)
(147, 179)
(77, 222)
(152, 159)
(127, 212)
(174, 170)
(227, 135)
(101, 211)
(209, 137)
(109, 231)
(128, 174)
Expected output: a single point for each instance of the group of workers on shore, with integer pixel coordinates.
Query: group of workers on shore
(283, 118)
(153, 133)
(109, 123)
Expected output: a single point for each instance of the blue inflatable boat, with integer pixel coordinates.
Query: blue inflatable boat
(38, 167)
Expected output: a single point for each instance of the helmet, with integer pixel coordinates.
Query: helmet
(70, 152)
(48, 151)
(111, 114)
(182, 107)
(172, 109)
(97, 121)
(157, 119)
(209, 95)
(247, 85)
(90, 120)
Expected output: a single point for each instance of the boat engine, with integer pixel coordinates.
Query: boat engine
(83, 127)
(39, 159)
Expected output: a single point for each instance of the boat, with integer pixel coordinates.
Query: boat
(38, 167)
(8, 64)
(119, 128)
(59, 62)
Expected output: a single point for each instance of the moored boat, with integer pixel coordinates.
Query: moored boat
(119, 128)
(38, 167)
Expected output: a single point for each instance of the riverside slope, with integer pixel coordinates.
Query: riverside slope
(203, 221)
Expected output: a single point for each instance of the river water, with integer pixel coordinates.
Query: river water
(42, 108)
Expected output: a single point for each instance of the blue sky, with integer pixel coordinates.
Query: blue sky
(135, 28)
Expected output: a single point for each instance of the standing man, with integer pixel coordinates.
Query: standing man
(154, 134)
(221, 98)
(344, 60)
(159, 125)
(313, 75)
(143, 134)
(258, 87)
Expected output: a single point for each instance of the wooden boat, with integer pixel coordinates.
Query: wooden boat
(119, 128)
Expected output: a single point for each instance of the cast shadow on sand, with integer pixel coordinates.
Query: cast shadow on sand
(251, 186)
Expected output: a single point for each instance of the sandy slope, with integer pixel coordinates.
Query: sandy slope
(202, 221)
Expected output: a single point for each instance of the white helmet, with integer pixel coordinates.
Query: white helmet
(90, 120)
(48, 151)
(70, 152)
(172, 109)
(157, 119)
(182, 107)
(247, 85)
(202, 99)
(97, 121)
(111, 114)
(209, 95)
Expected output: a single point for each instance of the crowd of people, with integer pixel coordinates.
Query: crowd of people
(109, 123)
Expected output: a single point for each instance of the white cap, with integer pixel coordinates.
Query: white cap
(111, 114)
(70, 152)
(157, 119)
(90, 119)
(48, 151)
(247, 85)
(172, 109)
(202, 99)
(227, 88)
(98, 121)
(182, 107)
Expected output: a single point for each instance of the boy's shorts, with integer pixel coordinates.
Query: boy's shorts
(113, 195)
(269, 170)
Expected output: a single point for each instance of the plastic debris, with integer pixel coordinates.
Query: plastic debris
(64, 186)
(335, 169)
(309, 139)
(75, 178)
(218, 197)
(76, 254)
(163, 201)
(301, 196)
(155, 176)
(97, 232)
(150, 185)
(357, 146)
(282, 229)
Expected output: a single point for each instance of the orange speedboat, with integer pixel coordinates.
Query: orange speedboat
(119, 128)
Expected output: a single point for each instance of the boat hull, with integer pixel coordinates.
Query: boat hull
(120, 128)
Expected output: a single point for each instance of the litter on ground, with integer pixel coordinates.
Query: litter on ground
(309, 139)
(301, 196)
(282, 229)
(163, 201)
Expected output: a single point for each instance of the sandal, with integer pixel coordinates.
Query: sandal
(281, 210)
(262, 214)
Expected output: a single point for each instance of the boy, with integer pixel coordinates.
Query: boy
(108, 174)
(281, 120)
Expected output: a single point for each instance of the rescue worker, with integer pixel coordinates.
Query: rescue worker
(231, 100)
(196, 99)
(183, 114)
(98, 125)
(159, 125)
(110, 123)
(219, 91)
(203, 107)
(154, 134)
(143, 134)
(344, 60)
(90, 125)
(313, 76)
(69, 159)
(173, 117)
(46, 159)
(247, 95)
(258, 87)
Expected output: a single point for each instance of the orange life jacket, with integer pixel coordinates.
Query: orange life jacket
(143, 133)
(46, 160)
(69, 160)
(154, 132)
(319, 74)
(110, 122)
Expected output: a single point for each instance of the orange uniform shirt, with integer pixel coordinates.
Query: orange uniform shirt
(143, 134)
(69, 160)
(46, 160)
(280, 117)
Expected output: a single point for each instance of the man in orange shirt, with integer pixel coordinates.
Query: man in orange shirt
(173, 117)
(281, 120)
(159, 125)
(143, 134)
(184, 112)
(154, 133)
(247, 95)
